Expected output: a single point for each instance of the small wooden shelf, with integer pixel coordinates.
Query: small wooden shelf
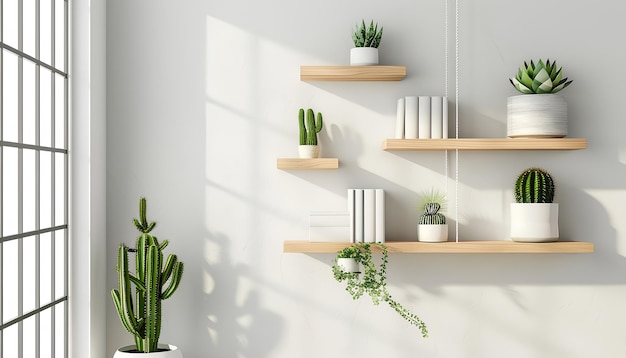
(352, 73)
(485, 144)
(307, 164)
(450, 247)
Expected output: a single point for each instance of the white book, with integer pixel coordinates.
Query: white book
(423, 117)
(329, 234)
(445, 117)
(410, 117)
(380, 215)
(436, 117)
(358, 215)
(400, 119)
(329, 218)
(351, 213)
(369, 215)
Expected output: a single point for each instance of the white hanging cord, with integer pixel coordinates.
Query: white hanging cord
(456, 100)
(446, 63)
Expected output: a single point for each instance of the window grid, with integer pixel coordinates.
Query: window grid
(50, 185)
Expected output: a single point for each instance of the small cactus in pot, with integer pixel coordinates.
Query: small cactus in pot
(534, 215)
(309, 128)
(432, 225)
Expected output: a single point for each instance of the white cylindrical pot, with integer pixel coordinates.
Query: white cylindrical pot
(169, 351)
(536, 116)
(432, 233)
(348, 264)
(535, 222)
(364, 56)
(309, 151)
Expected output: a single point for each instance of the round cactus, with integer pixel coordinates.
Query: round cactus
(534, 185)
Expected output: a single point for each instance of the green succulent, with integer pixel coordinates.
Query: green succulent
(364, 36)
(431, 202)
(539, 78)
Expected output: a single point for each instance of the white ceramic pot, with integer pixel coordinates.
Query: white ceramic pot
(309, 151)
(364, 56)
(534, 222)
(432, 233)
(348, 264)
(169, 351)
(536, 116)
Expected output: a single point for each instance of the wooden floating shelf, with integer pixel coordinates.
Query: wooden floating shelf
(450, 247)
(485, 144)
(307, 164)
(352, 73)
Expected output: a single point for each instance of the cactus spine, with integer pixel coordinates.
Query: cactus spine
(534, 185)
(153, 282)
(310, 127)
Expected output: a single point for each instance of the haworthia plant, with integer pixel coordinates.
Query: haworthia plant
(362, 36)
(534, 185)
(310, 127)
(153, 282)
(539, 78)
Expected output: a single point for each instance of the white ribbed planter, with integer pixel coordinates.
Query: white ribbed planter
(348, 264)
(534, 222)
(131, 352)
(536, 116)
(309, 151)
(432, 233)
(364, 56)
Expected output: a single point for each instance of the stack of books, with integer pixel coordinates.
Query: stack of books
(422, 117)
(366, 208)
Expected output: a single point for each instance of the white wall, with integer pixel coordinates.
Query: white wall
(202, 99)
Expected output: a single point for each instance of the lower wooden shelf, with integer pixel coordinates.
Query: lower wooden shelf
(307, 164)
(450, 247)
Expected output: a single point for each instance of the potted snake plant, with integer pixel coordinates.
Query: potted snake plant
(372, 280)
(138, 296)
(366, 41)
(538, 112)
(309, 128)
(432, 226)
(534, 215)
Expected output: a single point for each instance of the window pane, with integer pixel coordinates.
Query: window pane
(10, 99)
(29, 98)
(59, 34)
(30, 336)
(45, 100)
(45, 331)
(59, 112)
(59, 264)
(29, 190)
(29, 26)
(29, 274)
(9, 342)
(59, 330)
(45, 31)
(10, 190)
(45, 268)
(59, 190)
(45, 190)
(10, 279)
(9, 23)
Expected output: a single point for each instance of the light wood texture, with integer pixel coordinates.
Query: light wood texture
(307, 164)
(485, 144)
(450, 247)
(352, 73)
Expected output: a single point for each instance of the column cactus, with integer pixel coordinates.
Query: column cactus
(310, 127)
(153, 282)
(534, 185)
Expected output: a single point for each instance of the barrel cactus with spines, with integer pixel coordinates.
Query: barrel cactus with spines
(309, 127)
(432, 202)
(154, 280)
(534, 185)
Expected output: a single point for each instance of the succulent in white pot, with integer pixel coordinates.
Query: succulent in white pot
(309, 128)
(538, 112)
(432, 226)
(366, 40)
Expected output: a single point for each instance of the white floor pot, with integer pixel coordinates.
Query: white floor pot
(432, 233)
(169, 351)
(536, 116)
(534, 222)
(348, 264)
(364, 56)
(309, 151)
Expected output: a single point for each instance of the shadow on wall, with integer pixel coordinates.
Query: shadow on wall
(236, 324)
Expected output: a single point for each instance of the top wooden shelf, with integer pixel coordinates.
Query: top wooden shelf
(450, 247)
(352, 73)
(485, 144)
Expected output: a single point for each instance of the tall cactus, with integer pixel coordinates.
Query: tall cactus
(534, 185)
(153, 281)
(310, 127)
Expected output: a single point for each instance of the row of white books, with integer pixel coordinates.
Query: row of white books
(366, 208)
(422, 117)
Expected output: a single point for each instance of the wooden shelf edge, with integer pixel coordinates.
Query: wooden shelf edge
(352, 73)
(307, 164)
(485, 144)
(451, 247)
